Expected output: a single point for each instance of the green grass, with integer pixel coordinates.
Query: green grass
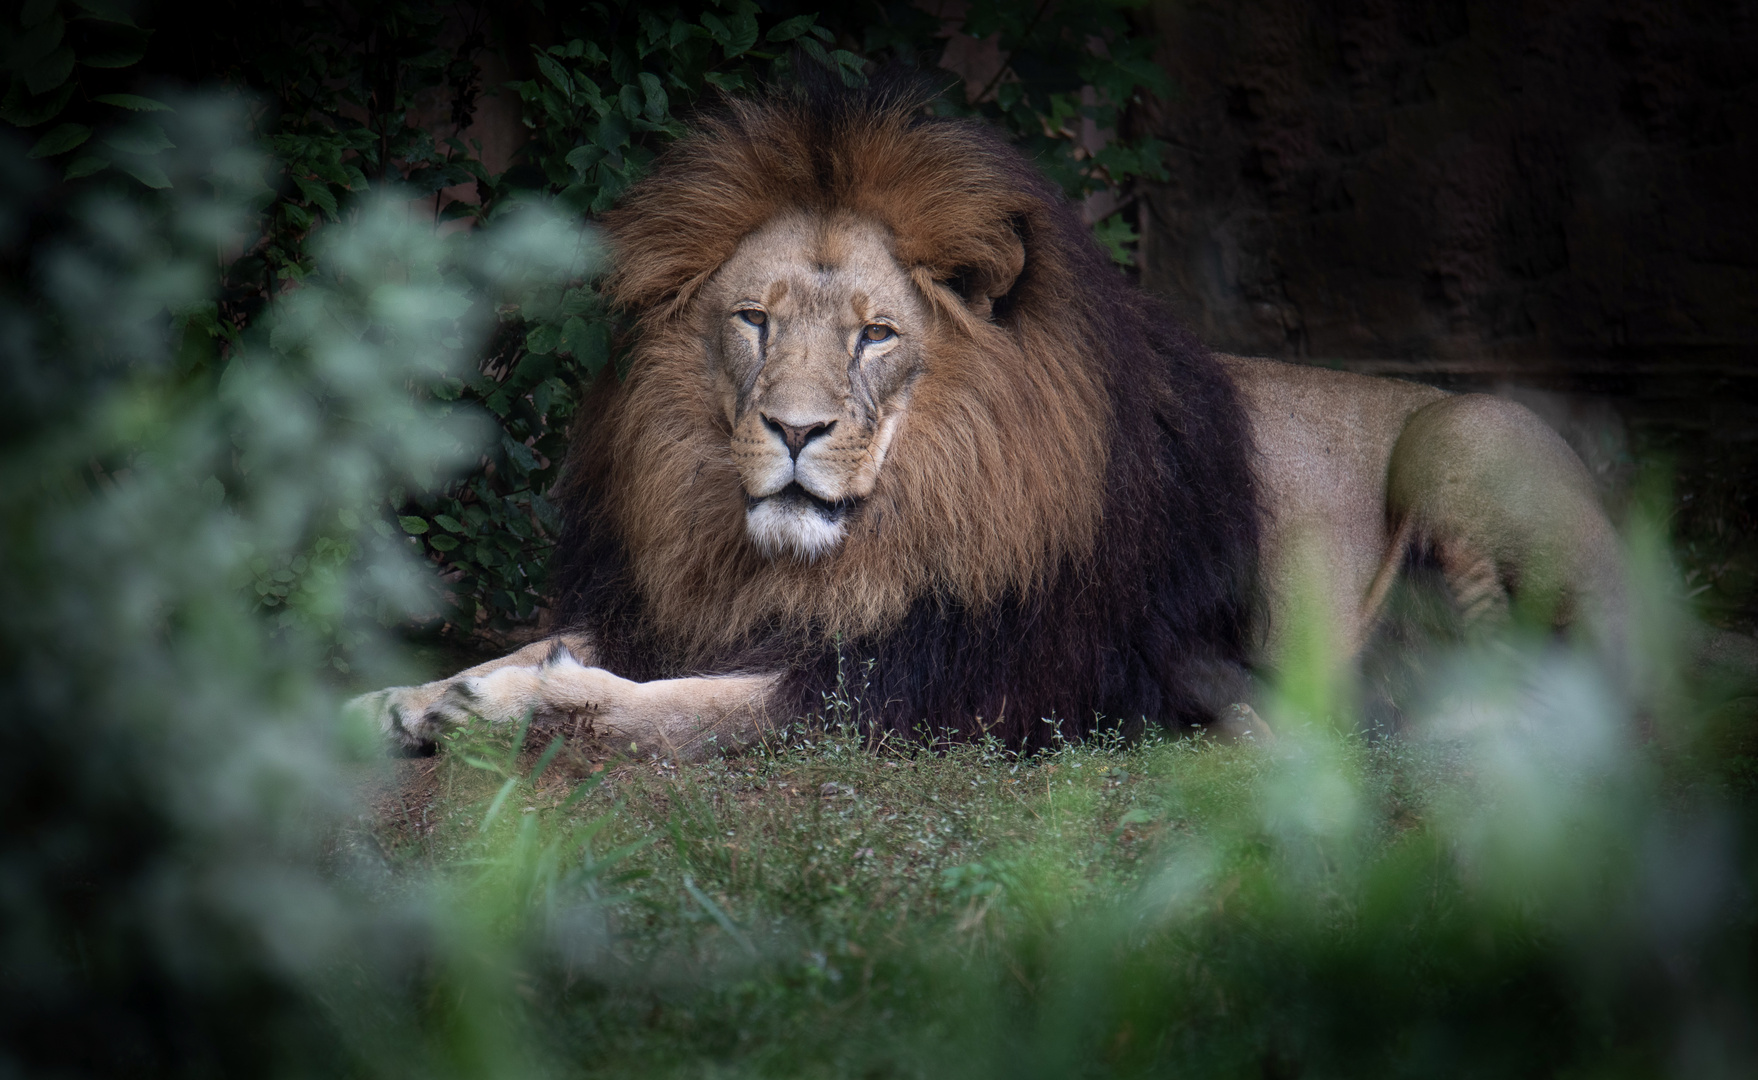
(1333, 906)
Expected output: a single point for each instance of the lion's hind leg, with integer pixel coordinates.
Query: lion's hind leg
(1511, 517)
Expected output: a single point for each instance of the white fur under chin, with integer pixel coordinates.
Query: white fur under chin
(785, 527)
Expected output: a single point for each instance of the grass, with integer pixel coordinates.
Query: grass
(794, 908)
(814, 829)
(818, 907)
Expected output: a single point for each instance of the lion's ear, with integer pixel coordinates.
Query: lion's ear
(991, 279)
(969, 284)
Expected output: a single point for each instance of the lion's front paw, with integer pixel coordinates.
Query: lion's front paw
(1240, 723)
(413, 717)
(404, 715)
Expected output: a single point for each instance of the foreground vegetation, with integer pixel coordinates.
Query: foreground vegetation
(1519, 886)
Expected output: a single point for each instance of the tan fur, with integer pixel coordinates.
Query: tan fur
(1355, 469)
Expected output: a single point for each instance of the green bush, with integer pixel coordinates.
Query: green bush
(183, 549)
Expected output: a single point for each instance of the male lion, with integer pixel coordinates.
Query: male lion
(889, 403)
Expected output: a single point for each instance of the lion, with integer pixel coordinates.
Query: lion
(894, 427)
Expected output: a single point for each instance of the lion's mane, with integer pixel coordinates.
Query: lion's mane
(1066, 526)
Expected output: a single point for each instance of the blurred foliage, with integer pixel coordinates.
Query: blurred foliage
(173, 771)
(352, 98)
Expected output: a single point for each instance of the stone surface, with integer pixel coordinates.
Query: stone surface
(1517, 180)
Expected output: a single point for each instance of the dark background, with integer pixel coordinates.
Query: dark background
(1528, 181)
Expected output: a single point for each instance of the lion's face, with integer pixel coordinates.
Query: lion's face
(817, 335)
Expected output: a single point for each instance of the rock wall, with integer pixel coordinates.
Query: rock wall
(1436, 178)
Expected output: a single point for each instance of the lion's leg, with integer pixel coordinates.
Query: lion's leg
(683, 719)
(404, 713)
(1512, 515)
(1476, 585)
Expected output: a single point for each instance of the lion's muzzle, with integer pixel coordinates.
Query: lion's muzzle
(795, 523)
(801, 480)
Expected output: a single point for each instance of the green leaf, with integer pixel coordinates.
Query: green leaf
(542, 339)
(113, 58)
(594, 96)
(848, 65)
(580, 301)
(547, 515)
(499, 800)
(317, 193)
(581, 158)
(1114, 234)
(49, 72)
(85, 165)
(519, 452)
(140, 137)
(816, 51)
(716, 29)
(612, 132)
(657, 103)
(743, 28)
(448, 523)
(412, 525)
(587, 342)
(555, 73)
(656, 30)
(441, 543)
(630, 98)
(59, 140)
(133, 101)
(22, 110)
(146, 172)
(1147, 73)
(297, 216)
(788, 29)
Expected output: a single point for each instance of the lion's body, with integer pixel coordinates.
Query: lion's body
(889, 404)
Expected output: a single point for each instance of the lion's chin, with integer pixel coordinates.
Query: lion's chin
(791, 523)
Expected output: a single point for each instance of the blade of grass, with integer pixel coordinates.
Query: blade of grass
(719, 916)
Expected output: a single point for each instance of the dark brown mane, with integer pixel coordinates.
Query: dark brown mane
(1066, 525)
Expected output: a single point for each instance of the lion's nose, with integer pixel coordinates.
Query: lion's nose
(797, 436)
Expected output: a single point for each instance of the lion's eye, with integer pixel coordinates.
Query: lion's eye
(753, 316)
(877, 332)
